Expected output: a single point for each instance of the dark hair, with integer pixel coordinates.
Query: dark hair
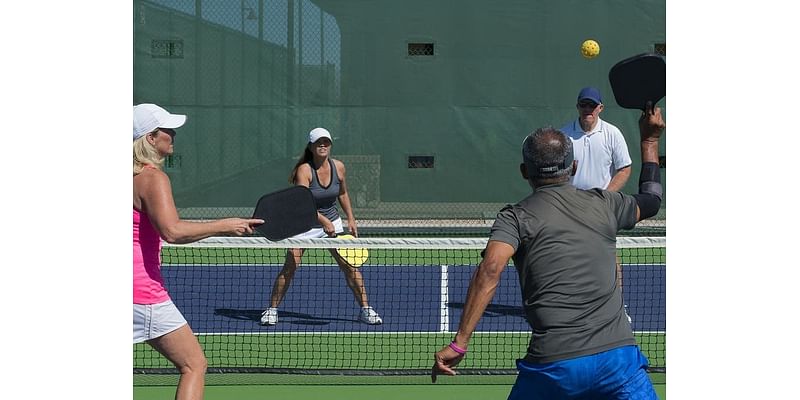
(547, 153)
(306, 157)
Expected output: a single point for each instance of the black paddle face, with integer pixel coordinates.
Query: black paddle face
(287, 212)
(639, 79)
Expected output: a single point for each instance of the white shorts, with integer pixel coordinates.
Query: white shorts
(155, 320)
(314, 233)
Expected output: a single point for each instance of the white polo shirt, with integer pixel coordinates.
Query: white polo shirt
(600, 153)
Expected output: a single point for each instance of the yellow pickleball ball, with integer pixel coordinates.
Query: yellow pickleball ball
(590, 48)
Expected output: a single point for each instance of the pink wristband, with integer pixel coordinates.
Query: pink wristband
(457, 349)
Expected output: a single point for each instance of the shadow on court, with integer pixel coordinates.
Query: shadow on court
(285, 317)
(495, 310)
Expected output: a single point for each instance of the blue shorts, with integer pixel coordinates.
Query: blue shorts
(620, 373)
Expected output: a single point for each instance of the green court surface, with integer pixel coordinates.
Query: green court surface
(274, 256)
(385, 351)
(355, 350)
(446, 388)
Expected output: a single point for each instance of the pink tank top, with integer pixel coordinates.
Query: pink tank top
(148, 285)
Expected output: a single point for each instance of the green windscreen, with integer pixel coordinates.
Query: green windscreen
(427, 101)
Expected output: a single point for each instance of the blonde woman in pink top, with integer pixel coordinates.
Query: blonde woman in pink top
(156, 320)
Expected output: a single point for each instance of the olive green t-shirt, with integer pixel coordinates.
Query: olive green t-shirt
(565, 253)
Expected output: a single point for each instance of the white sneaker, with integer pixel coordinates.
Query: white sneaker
(269, 316)
(369, 316)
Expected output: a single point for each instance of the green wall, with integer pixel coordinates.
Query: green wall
(255, 76)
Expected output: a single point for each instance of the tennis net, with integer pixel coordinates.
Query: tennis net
(418, 286)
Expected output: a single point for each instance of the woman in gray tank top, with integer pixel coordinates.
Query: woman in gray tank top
(326, 179)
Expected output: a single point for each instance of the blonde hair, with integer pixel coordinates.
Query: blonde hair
(145, 153)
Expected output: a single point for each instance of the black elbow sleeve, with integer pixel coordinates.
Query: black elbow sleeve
(650, 192)
(648, 205)
(650, 179)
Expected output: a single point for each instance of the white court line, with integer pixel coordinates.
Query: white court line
(444, 299)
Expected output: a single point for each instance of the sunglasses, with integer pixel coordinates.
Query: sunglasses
(168, 131)
(584, 104)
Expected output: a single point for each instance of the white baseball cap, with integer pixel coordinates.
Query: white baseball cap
(318, 133)
(148, 117)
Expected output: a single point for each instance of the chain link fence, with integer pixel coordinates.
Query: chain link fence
(427, 103)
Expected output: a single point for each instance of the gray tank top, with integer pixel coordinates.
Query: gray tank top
(325, 197)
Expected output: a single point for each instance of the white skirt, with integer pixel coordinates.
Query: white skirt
(314, 233)
(155, 320)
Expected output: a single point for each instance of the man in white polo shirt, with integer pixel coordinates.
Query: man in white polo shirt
(600, 148)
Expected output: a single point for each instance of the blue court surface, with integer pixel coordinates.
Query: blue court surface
(230, 299)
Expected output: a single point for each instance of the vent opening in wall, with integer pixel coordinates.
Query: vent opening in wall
(660, 49)
(420, 161)
(168, 48)
(420, 49)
